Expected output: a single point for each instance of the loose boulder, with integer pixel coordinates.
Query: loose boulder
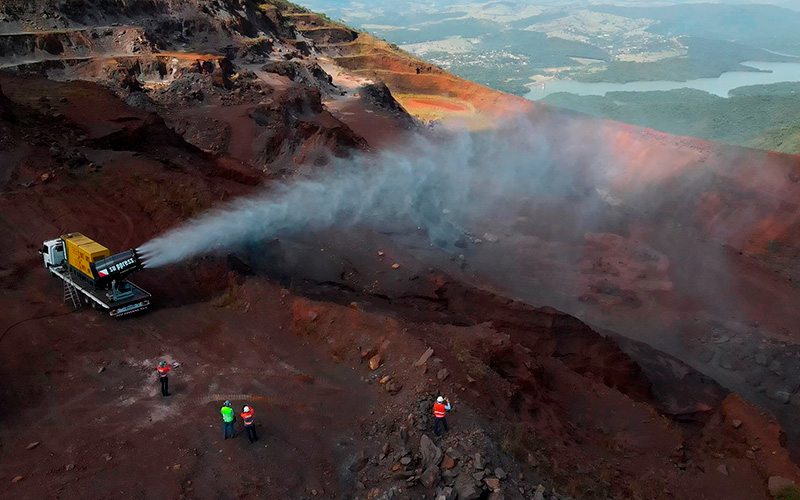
(431, 454)
(465, 487)
(430, 477)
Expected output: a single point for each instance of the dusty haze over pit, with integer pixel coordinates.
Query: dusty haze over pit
(441, 182)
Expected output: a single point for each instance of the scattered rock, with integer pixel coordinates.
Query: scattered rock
(424, 358)
(725, 362)
(749, 454)
(375, 362)
(479, 462)
(497, 495)
(539, 495)
(447, 462)
(69, 467)
(20, 478)
(478, 476)
(101, 369)
(780, 396)
(431, 454)
(722, 469)
(405, 460)
(500, 473)
(393, 387)
(360, 462)
(107, 456)
(737, 424)
(32, 445)
(395, 266)
(722, 339)
(465, 488)
(443, 374)
(493, 483)
(447, 493)
(761, 359)
(777, 483)
(380, 254)
(491, 238)
(430, 477)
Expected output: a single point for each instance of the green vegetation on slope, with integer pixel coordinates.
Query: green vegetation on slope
(782, 88)
(784, 139)
(769, 121)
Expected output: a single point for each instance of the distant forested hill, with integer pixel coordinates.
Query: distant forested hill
(764, 116)
(706, 58)
(764, 26)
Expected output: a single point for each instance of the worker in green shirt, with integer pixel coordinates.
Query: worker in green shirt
(227, 419)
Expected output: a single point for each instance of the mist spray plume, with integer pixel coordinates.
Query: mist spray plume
(456, 172)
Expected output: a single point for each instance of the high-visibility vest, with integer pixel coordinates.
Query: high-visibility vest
(227, 413)
(163, 370)
(439, 410)
(248, 417)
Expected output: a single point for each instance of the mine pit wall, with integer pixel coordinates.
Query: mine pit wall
(681, 393)
(67, 44)
(170, 19)
(128, 72)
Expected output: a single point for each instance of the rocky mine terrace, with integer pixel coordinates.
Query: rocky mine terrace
(632, 335)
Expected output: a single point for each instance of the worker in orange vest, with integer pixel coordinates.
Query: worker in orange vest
(163, 369)
(249, 424)
(440, 409)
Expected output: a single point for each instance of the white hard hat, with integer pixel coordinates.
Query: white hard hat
(246, 409)
(440, 399)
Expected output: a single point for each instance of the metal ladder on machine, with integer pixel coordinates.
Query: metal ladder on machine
(71, 293)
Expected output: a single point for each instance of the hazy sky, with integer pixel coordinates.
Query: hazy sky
(322, 5)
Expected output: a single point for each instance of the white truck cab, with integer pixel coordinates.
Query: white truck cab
(52, 253)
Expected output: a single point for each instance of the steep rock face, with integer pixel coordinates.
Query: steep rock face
(549, 332)
(6, 107)
(296, 126)
(378, 97)
(304, 72)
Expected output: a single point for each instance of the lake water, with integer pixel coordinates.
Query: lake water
(780, 72)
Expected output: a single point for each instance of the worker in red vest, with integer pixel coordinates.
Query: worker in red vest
(249, 424)
(163, 369)
(440, 409)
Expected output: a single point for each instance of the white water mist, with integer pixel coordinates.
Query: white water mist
(456, 173)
